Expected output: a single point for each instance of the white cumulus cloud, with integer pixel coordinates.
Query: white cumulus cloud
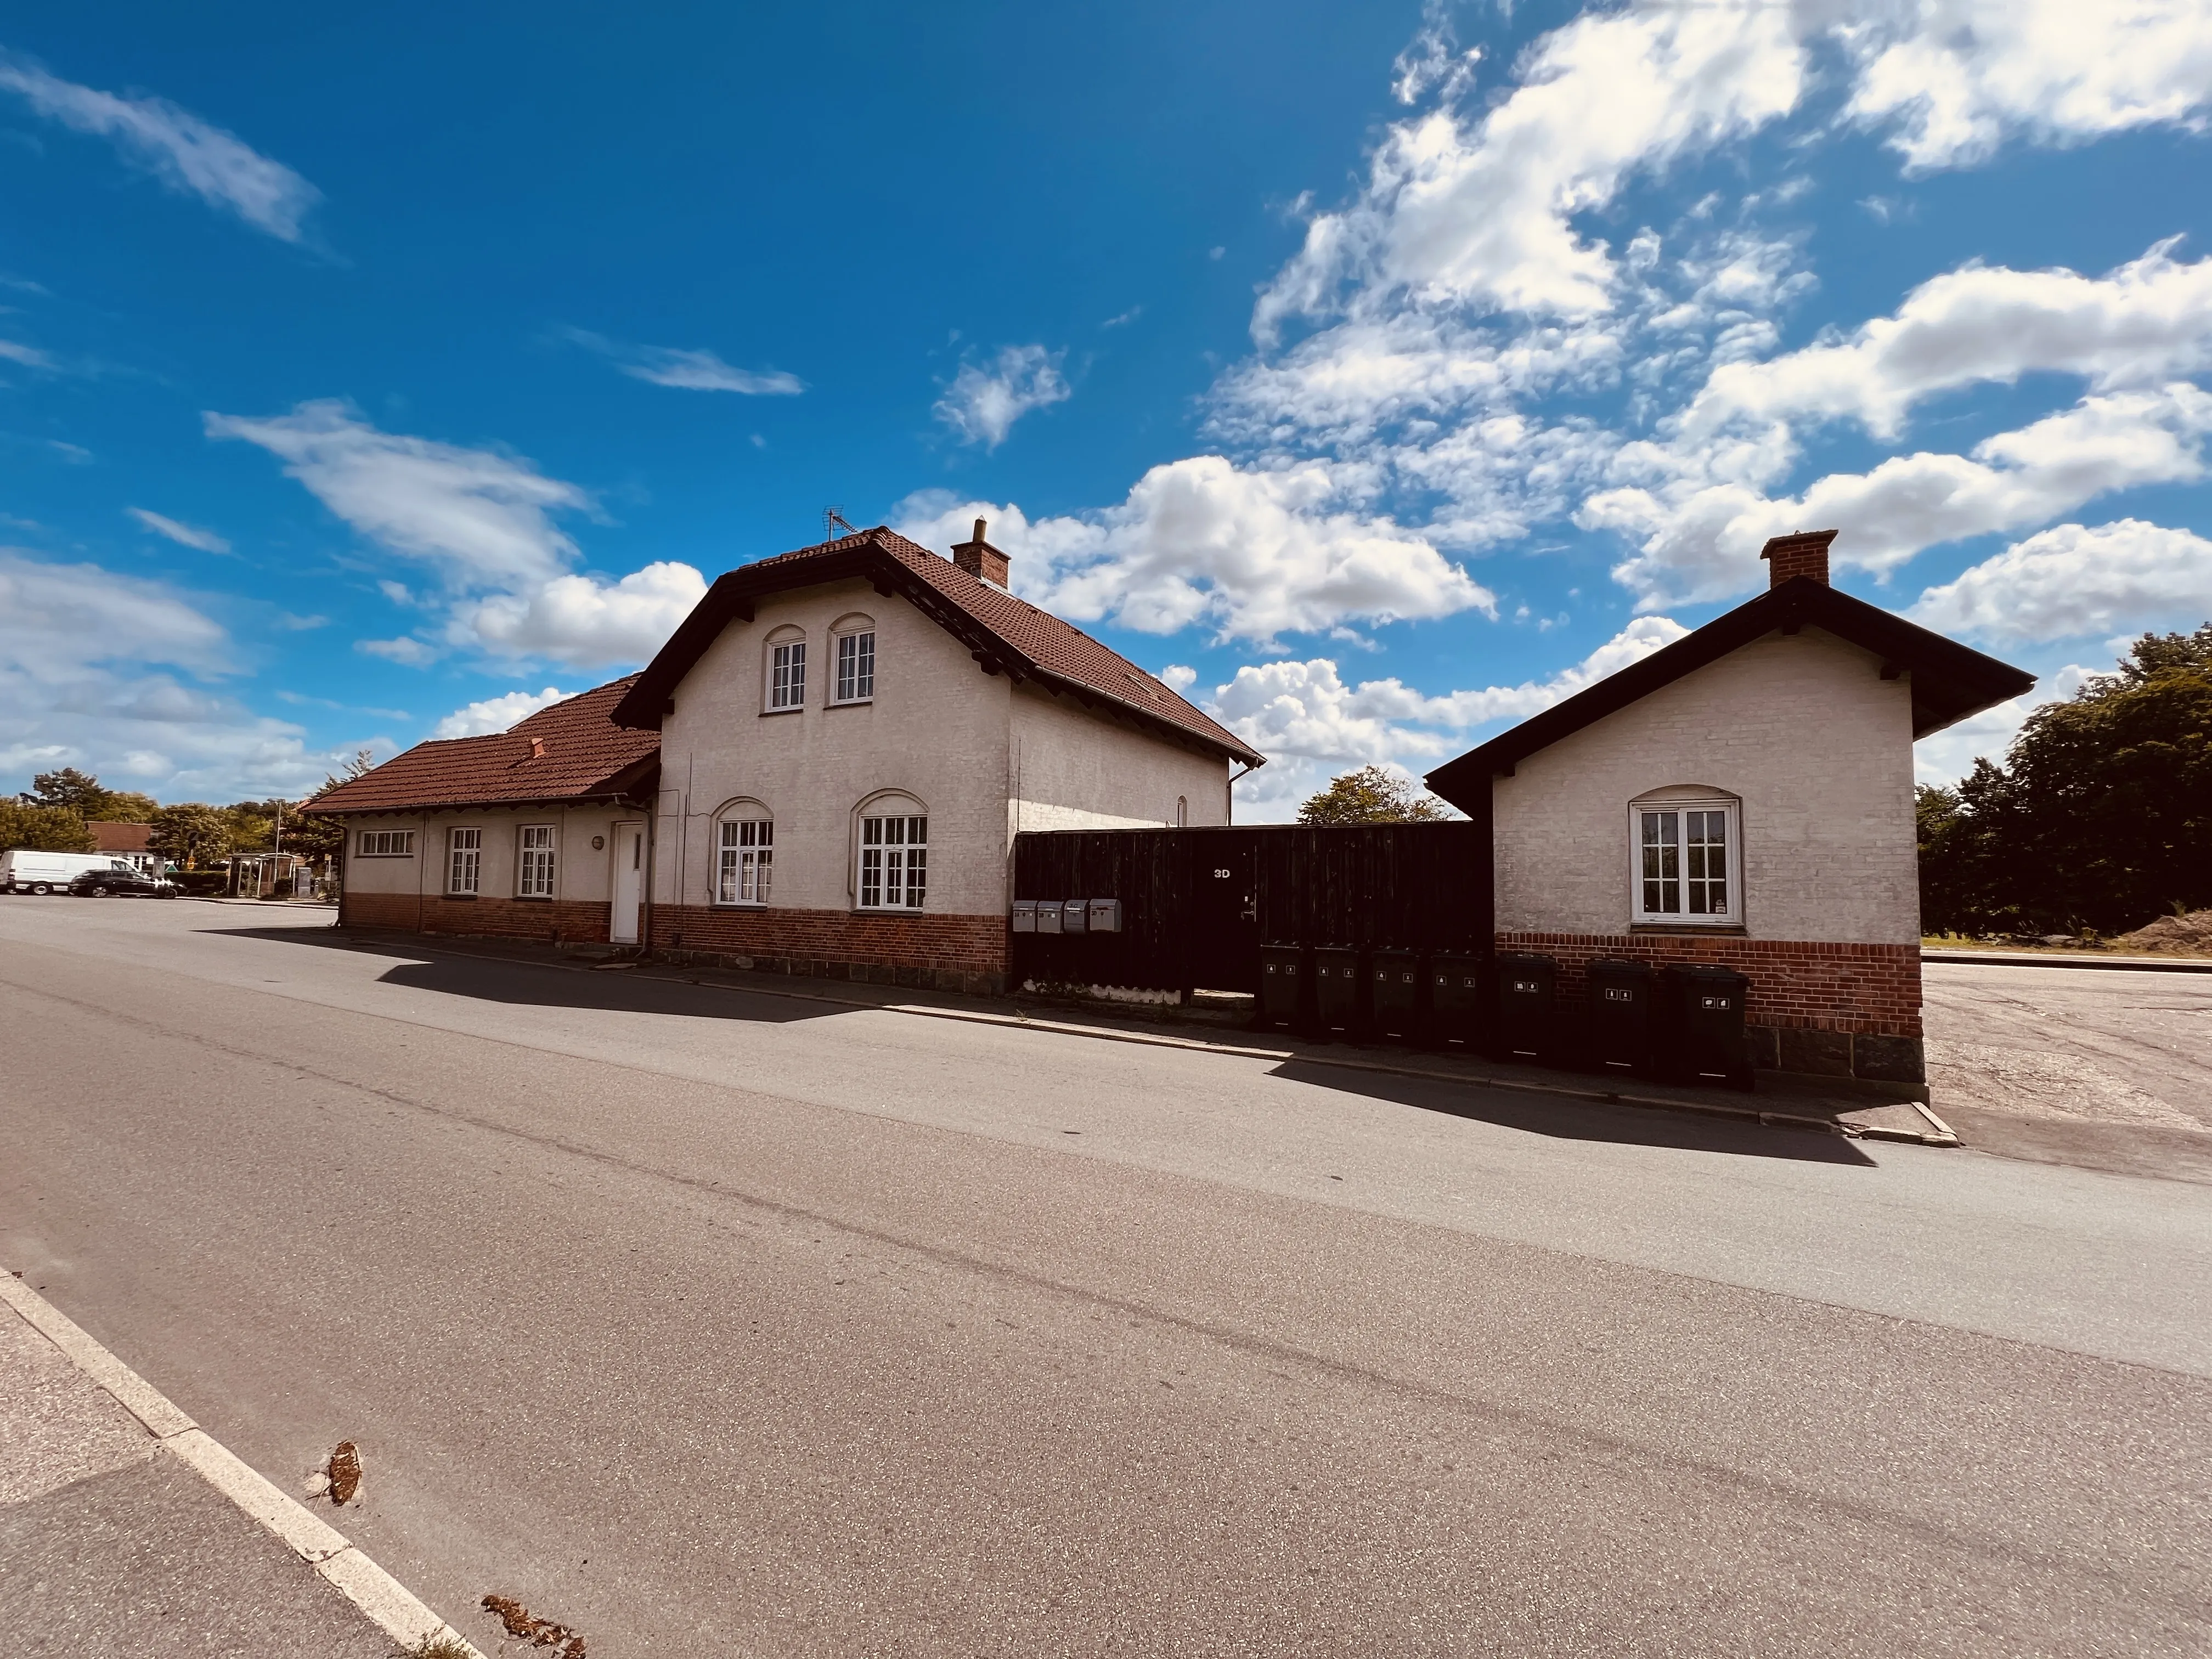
(984, 400)
(1955, 78)
(496, 714)
(583, 620)
(2073, 582)
(1248, 555)
(183, 151)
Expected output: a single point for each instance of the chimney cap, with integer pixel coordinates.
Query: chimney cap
(1805, 541)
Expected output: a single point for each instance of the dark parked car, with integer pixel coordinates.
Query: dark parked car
(121, 881)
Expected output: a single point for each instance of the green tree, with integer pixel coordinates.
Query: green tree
(1372, 795)
(84, 794)
(192, 834)
(2101, 815)
(42, 828)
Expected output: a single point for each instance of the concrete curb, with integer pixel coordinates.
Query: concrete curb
(394, 1608)
(2024, 959)
(1943, 1135)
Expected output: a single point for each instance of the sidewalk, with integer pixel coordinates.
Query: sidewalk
(125, 1531)
(1842, 1108)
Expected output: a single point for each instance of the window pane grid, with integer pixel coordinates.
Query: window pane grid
(466, 846)
(1682, 863)
(786, 685)
(894, 863)
(856, 667)
(746, 860)
(536, 876)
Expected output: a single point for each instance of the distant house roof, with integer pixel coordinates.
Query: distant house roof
(1949, 681)
(570, 751)
(1005, 635)
(119, 837)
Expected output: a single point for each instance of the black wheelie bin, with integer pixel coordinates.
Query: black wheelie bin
(1700, 1024)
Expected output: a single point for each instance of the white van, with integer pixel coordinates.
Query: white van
(22, 871)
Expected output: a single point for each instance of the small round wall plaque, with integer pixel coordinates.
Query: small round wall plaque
(598, 843)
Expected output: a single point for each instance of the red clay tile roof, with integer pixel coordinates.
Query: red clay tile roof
(1007, 634)
(585, 756)
(119, 837)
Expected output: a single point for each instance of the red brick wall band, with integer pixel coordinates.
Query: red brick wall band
(570, 921)
(950, 952)
(1869, 988)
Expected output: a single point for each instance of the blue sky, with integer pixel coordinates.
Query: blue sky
(1379, 373)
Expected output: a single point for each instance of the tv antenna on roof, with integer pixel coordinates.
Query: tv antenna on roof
(833, 524)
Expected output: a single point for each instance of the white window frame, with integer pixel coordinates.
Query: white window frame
(745, 860)
(893, 868)
(784, 690)
(464, 860)
(852, 664)
(1688, 878)
(536, 860)
(385, 844)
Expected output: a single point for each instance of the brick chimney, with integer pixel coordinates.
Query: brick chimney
(1805, 554)
(979, 558)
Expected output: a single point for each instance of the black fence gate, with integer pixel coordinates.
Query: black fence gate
(1197, 904)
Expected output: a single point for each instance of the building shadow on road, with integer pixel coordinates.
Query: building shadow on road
(1566, 1119)
(521, 982)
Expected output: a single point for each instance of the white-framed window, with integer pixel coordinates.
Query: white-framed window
(386, 843)
(855, 680)
(1685, 863)
(534, 879)
(464, 860)
(787, 670)
(745, 860)
(894, 862)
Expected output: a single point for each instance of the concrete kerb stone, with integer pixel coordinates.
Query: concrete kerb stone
(390, 1604)
(2052, 959)
(1941, 1136)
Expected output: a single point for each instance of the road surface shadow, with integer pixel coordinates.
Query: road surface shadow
(522, 983)
(1566, 1119)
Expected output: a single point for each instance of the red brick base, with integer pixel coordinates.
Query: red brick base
(561, 921)
(942, 952)
(1831, 1010)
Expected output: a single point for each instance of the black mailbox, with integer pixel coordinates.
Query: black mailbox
(1619, 1022)
(1338, 991)
(1700, 1024)
(1525, 1007)
(1282, 985)
(1393, 994)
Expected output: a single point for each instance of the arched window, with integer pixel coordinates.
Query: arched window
(853, 659)
(1686, 859)
(744, 853)
(785, 669)
(1182, 811)
(892, 868)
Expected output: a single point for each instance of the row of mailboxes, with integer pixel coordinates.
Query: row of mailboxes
(1684, 1021)
(1098, 915)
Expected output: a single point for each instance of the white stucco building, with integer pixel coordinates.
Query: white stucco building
(1744, 797)
(823, 771)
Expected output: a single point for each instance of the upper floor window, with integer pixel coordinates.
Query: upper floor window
(387, 843)
(464, 865)
(536, 876)
(855, 644)
(786, 669)
(745, 860)
(1686, 866)
(894, 862)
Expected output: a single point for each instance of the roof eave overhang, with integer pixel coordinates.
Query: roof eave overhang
(1152, 718)
(1951, 682)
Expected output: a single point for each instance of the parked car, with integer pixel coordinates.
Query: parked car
(121, 881)
(25, 871)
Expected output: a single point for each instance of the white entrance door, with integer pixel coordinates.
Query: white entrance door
(630, 882)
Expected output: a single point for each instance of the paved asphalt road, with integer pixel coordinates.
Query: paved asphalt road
(709, 1323)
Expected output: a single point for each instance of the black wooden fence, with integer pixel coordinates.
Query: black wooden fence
(1197, 904)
